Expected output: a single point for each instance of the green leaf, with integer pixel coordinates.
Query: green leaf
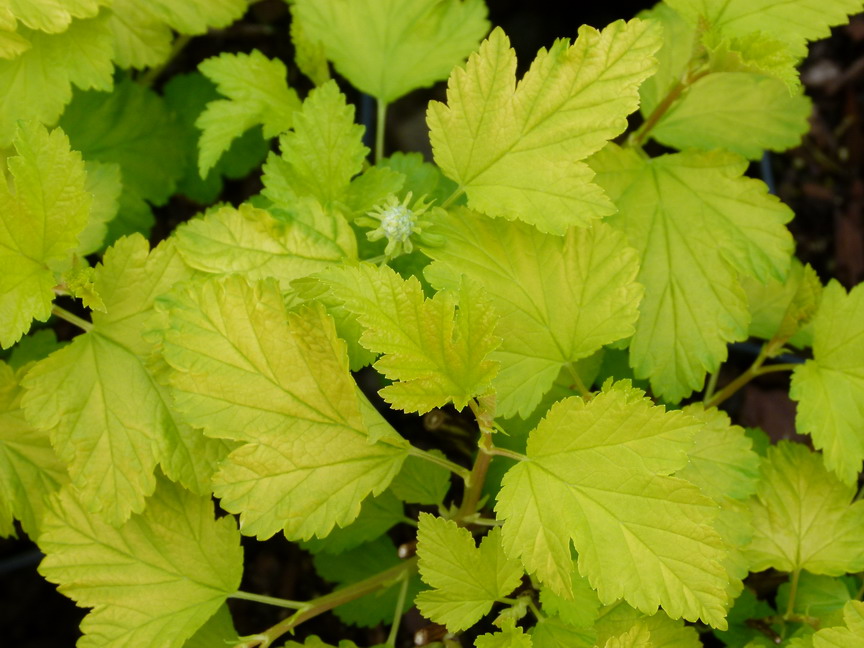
(257, 94)
(132, 127)
(252, 242)
(29, 468)
(560, 298)
(783, 310)
(849, 637)
(515, 149)
(107, 415)
(139, 40)
(377, 516)
(155, 580)
(511, 638)
(617, 619)
(553, 633)
(742, 112)
(793, 21)
(467, 579)
(597, 474)
(104, 181)
(386, 49)
(822, 597)
(37, 84)
(579, 609)
(721, 461)
(31, 348)
(320, 155)
(363, 562)
(757, 52)
(195, 17)
(804, 517)
(694, 304)
(307, 462)
(49, 16)
(437, 354)
(639, 636)
(218, 631)
(830, 387)
(673, 58)
(187, 96)
(44, 206)
(421, 481)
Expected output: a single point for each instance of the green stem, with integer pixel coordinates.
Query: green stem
(578, 385)
(793, 592)
(455, 468)
(712, 384)
(397, 615)
(329, 601)
(505, 452)
(641, 134)
(475, 481)
(453, 197)
(754, 371)
(381, 120)
(269, 600)
(63, 314)
(535, 610)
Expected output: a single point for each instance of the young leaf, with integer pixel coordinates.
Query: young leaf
(257, 94)
(437, 354)
(43, 209)
(155, 580)
(30, 470)
(386, 49)
(243, 369)
(619, 618)
(422, 482)
(377, 516)
(509, 638)
(467, 579)
(254, 243)
(803, 517)
(49, 16)
(597, 473)
(560, 298)
(636, 637)
(741, 112)
(104, 181)
(515, 148)
(321, 155)
(196, 16)
(107, 416)
(830, 387)
(580, 608)
(698, 225)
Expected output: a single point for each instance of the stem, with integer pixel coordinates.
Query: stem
(505, 452)
(754, 371)
(381, 119)
(455, 468)
(63, 314)
(793, 592)
(535, 610)
(641, 133)
(712, 384)
(453, 197)
(580, 387)
(397, 615)
(329, 601)
(475, 481)
(269, 600)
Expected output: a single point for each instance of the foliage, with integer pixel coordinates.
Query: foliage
(548, 285)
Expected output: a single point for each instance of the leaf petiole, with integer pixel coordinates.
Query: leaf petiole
(268, 600)
(455, 468)
(63, 314)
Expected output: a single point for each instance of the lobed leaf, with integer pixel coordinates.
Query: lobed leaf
(44, 206)
(597, 474)
(560, 298)
(153, 581)
(515, 149)
(386, 48)
(466, 579)
(698, 224)
(830, 387)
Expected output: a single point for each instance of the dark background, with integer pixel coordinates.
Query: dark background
(821, 180)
